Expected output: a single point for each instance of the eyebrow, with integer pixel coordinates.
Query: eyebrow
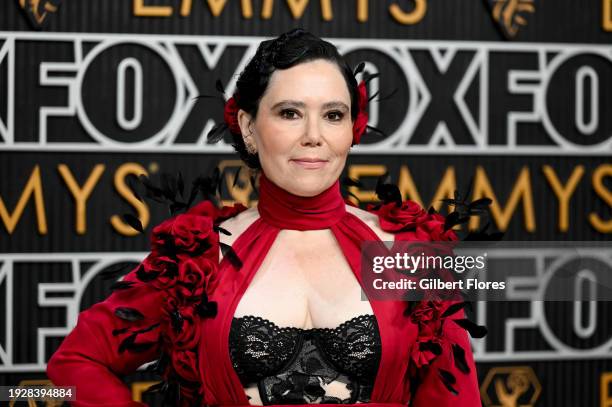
(295, 103)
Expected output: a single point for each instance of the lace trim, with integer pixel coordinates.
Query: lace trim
(307, 365)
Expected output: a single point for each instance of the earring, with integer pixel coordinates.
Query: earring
(249, 146)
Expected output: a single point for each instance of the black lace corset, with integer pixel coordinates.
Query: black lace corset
(297, 366)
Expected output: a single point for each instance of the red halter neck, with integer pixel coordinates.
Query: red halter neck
(285, 210)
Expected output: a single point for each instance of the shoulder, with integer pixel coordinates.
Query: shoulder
(237, 224)
(372, 221)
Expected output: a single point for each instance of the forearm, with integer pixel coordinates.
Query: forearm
(89, 358)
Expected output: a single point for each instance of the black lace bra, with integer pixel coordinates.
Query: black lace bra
(293, 365)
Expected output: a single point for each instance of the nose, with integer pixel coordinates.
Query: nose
(312, 133)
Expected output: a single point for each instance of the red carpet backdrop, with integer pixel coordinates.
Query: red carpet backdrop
(513, 95)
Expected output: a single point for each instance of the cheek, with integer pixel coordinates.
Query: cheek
(341, 140)
(275, 138)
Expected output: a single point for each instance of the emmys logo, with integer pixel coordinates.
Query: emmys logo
(509, 14)
(512, 386)
(38, 11)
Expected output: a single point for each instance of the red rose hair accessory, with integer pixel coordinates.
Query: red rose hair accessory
(361, 122)
(230, 114)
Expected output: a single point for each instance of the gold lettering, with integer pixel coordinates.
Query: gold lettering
(520, 190)
(266, 9)
(413, 17)
(406, 185)
(362, 11)
(247, 8)
(216, 6)
(606, 15)
(185, 8)
(143, 211)
(364, 170)
(326, 10)
(562, 193)
(141, 10)
(606, 396)
(296, 7)
(33, 187)
(81, 195)
(600, 189)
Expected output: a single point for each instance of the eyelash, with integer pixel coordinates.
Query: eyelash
(284, 112)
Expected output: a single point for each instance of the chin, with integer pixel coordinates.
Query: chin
(311, 184)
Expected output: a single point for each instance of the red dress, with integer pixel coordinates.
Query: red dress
(180, 301)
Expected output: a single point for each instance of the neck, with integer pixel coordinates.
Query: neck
(285, 210)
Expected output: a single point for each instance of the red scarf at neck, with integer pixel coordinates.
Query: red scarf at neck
(284, 210)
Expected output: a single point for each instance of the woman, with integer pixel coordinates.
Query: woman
(280, 319)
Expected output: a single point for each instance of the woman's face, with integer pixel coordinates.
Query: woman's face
(303, 129)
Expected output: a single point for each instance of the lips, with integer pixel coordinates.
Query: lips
(309, 162)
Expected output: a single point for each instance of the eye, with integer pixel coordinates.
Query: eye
(335, 116)
(289, 114)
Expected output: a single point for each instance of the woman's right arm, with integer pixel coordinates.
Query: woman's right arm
(98, 351)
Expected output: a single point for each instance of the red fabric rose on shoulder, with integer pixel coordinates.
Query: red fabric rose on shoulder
(412, 221)
(183, 262)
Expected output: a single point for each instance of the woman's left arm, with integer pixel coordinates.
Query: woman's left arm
(442, 364)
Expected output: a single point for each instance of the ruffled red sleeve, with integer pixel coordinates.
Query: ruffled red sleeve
(441, 370)
(153, 313)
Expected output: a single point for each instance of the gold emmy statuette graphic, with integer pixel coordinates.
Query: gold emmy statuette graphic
(238, 181)
(510, 14)
(38, 11)
(140, 387)
(31, 402)
(511, 386)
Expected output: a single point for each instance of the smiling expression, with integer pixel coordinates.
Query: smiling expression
(303, 128)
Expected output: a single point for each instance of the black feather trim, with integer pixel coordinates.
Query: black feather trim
(221, 230)
(140, 347)
(219, 86)
(454, 308)
(119, 331)
(126, 343)
(476, 331)
(155, 387)
(180, 183)
(359, 68)
(121, 285)
(229, 253)
(116, 270)
(147, 329)
(237, 176)
(431, 346)
(350, 182)
(459, 358)
(146, 276)
(387, 192)
(207, 309)
(448, 379)
(129, 314)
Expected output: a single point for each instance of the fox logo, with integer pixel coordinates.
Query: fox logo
(38, 11)
(510, 14)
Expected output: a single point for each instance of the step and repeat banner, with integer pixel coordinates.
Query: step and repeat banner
(512, 96)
